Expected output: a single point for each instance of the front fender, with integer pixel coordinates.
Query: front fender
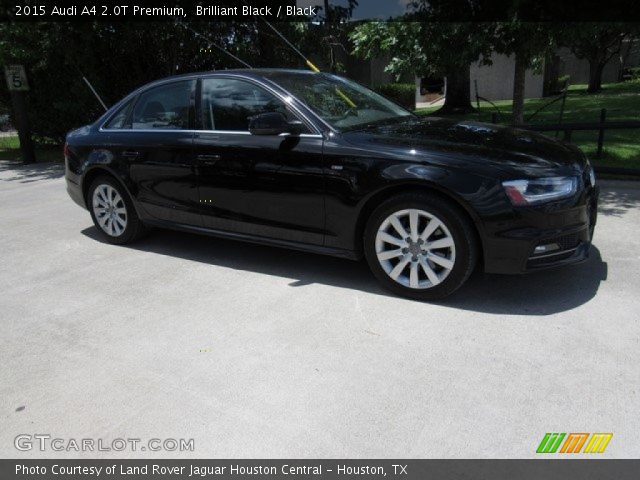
(476, 195)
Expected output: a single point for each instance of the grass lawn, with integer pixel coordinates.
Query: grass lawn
(622, 101)
(10, 150)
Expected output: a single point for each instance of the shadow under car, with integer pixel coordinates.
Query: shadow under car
(540, 293)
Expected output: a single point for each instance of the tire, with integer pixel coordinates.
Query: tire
(424, 269)
(123, 225)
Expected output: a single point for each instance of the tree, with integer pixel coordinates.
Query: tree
(334, 19)
(425, 44)
(137, 53)
(529, 43)
(597, 43)
(425, 49)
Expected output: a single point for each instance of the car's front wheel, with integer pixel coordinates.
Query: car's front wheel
(112, 211)
(420, 246)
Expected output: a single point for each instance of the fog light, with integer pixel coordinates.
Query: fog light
(549, 247)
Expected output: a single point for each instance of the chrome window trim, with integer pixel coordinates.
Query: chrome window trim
(221, 132)
(308, 121)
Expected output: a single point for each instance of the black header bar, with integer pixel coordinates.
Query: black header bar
(310, 10)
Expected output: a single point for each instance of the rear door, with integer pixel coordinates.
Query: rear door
(262, 185)
(159, 150)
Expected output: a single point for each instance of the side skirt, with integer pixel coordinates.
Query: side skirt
(303, 247)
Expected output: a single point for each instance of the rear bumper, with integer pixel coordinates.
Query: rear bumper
(74, 189)
(562, 234)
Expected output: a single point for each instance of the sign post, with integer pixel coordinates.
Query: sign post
(18, 86)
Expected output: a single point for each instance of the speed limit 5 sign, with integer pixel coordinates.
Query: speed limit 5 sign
(16, 78)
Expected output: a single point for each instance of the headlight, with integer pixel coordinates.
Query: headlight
(538, 190)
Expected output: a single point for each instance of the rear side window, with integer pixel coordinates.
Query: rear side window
(228, 104)
(164, 107)
(118, 121)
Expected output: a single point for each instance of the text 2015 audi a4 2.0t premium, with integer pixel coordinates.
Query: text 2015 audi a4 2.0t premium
(316, 162)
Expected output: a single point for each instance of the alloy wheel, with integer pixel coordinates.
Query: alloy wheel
(415, 248)
(110, 210)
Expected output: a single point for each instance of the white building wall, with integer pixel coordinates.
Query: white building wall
(495, 82)
(578, 69)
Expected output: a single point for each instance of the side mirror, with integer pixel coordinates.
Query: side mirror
(272, 123)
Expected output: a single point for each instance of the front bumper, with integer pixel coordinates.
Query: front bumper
(563, 234)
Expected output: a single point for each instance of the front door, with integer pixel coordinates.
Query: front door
(261, 185)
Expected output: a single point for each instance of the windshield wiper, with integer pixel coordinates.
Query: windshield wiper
(376, 123)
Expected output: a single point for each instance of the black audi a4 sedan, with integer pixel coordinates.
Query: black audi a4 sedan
(316, 162)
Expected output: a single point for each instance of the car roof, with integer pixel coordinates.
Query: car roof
(260, 71)
(248, 72)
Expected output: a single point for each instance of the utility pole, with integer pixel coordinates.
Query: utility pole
(18, 86)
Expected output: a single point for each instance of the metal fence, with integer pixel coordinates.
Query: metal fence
(601, 127)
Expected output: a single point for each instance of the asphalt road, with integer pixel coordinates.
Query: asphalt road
(260, 352)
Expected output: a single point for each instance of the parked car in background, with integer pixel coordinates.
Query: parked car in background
(316, 162)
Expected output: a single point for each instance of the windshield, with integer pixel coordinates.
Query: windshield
(343, 104)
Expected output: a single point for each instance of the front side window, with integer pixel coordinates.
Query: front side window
(164, 107)
(228, 104)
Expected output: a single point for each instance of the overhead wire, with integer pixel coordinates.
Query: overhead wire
(308, 62)
(212, 43)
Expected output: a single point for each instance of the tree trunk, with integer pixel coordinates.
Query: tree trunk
(332, 60)
(21, 121)
(624, 58)
(327, 30)
(595, 76)
(327, 11)
(458, 95)
(518, 90)
(551, 76)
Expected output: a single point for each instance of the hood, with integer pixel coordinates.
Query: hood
(441, 140)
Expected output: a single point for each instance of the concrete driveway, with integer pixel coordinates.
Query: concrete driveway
(260, 352)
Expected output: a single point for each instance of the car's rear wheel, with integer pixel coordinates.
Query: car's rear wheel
(420, 246)
(112, 211)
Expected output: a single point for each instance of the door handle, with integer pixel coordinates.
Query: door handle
(208, 159)
(130, 153)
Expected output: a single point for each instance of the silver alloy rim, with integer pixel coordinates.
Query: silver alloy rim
(415, 248)
(109, 210)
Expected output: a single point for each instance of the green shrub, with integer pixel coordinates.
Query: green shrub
(402, 93)
(563, 80)
(635, 73)
(556, 85)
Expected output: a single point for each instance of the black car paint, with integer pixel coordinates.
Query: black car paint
(314, 191)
